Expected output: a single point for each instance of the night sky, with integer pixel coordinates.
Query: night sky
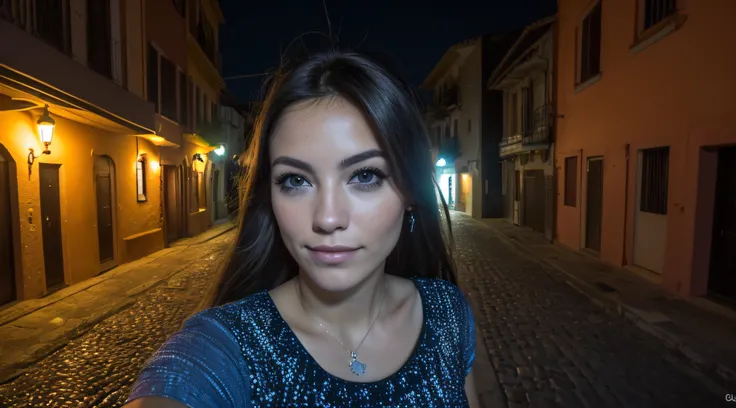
(411, 35)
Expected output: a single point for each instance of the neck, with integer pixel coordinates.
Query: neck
(346, 314)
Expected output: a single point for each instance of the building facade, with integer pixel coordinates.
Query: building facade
(644, 139)
(96, 138)
(526, 78)
(465, 124)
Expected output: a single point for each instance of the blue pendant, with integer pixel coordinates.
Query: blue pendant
(356, 366)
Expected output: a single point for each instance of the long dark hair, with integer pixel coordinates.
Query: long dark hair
(258, 260)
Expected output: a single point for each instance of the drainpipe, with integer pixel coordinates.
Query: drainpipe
(626, 204)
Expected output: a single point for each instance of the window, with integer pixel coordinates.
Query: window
(152, 77)
(184, 105)
(654, 178)
(571, 181)
(52, 23)
(527, 109)
(470, 127)
(655, 11)
(140, 173)
(513, 116)
(168, 89)
(589, 61)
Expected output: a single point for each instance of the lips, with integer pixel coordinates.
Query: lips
(332, 255)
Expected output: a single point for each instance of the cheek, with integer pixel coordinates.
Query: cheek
(382, 222)
(288, 217)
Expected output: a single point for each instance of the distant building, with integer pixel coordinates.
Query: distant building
(526, 77)
(465, 122)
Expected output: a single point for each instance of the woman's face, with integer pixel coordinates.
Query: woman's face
(337, 208)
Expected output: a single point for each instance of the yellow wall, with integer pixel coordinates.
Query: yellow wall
(74, 147)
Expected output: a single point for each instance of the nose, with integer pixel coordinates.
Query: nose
(331, 212)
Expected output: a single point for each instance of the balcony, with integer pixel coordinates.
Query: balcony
(535, 134)
(448, 101)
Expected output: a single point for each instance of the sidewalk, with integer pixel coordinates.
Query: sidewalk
(702, 333)
(33, 329)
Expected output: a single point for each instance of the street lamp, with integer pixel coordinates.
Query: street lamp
(441, 162)
(220, 150)
(45, 132)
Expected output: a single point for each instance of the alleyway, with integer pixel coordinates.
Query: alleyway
(550, 345)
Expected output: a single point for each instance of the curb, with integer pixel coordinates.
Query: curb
(17, 368)
(695, 361)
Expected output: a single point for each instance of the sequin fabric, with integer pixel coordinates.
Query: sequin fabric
(245, 355)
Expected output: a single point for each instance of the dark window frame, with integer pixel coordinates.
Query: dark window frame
(589, 44)
(654, 180)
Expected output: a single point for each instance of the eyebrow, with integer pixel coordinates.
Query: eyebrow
(344, 163)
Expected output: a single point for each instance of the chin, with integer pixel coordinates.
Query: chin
(335, 279)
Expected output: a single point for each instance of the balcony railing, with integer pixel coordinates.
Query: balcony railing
(539, 131)
(448, 100)
(535, 132)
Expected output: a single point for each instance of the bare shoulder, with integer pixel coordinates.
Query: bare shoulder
(157, 402)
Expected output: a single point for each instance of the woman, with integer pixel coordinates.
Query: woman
(340, 290)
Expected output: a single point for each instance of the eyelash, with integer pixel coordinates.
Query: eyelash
(380, 177)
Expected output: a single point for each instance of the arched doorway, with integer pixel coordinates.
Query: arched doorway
(8, 197)
(105, 193)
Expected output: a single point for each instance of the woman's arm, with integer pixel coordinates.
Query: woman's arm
(201, 366)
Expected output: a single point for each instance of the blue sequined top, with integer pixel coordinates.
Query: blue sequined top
(244, 354)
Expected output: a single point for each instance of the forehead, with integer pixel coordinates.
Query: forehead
(322, 131)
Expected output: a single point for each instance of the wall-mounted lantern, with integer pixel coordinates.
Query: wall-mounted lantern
(220, 151)
(140, 178)
(46, 126)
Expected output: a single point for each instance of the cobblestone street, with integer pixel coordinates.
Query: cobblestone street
(98, 369)
(549, 344)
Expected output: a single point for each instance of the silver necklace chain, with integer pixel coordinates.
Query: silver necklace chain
(356, 366)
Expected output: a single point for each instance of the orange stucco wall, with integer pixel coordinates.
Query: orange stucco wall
(673, 93)
(74, 147)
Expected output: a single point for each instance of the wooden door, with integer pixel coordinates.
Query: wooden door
(534, 199)
(722, 277)
(594, 207)
(103, 187)
(7, 262)
(172, 203)
(51, 224)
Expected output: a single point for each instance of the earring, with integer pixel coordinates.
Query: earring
(411, 221)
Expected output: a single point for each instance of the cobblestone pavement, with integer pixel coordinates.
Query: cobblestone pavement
(98, 369)
(551, 346)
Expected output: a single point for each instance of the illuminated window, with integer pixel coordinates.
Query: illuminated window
(140, 170)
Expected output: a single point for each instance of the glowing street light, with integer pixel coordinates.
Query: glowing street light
(441, 162)
(220, 150)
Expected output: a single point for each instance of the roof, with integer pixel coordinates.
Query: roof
(531, 34)
(445, 63)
